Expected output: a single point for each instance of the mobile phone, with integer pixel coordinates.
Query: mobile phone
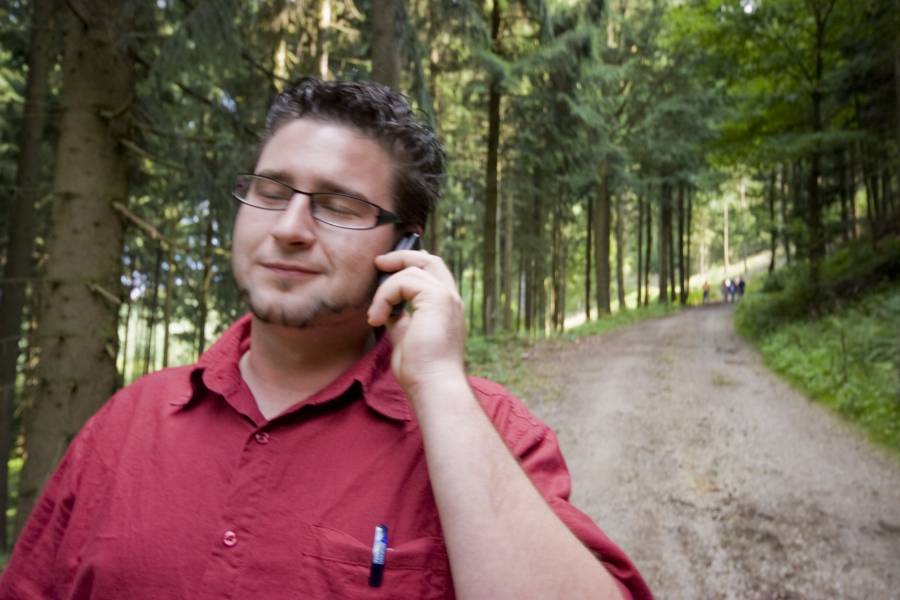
(410, 241)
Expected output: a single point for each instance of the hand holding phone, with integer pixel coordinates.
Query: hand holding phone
(410, 241)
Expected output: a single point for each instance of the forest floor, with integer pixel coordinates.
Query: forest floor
(715, 476)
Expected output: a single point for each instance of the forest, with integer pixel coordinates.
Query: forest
(603, 155)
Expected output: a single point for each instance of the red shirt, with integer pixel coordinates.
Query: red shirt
(179, 488)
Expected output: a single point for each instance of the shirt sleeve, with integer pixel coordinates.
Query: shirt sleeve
(536, 447)
(32, 571)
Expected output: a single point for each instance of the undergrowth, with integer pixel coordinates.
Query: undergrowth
(840, 342)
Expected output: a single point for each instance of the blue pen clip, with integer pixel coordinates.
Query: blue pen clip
(379, 551)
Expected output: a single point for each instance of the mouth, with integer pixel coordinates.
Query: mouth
(289, 270)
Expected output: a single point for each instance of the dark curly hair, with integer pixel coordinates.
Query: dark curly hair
(386, 117)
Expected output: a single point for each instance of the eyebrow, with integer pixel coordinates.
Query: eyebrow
(325, 185)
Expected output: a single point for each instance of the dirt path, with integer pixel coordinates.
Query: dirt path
(716, 477)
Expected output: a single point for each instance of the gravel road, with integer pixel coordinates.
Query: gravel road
(715, 476)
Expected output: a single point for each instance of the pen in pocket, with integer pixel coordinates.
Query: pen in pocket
(379, 551)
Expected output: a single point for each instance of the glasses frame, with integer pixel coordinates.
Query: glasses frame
(383, 217)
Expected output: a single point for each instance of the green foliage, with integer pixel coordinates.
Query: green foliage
(842, 345)
(790, 294)
(501, 358)
(850, 360)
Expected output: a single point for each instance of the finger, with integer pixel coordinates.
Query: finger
(405, 285)
(401, 259)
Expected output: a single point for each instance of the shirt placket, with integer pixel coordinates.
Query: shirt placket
(238, 525)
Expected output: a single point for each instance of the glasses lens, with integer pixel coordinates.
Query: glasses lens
(262, 192)
(344, 211)
(333, 208)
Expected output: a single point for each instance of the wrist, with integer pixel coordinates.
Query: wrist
(439, 385)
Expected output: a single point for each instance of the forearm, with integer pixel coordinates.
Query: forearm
(503, 540)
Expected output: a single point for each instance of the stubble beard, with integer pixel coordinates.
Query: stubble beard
(304, 315)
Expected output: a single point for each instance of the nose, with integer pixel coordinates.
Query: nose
(295, 225)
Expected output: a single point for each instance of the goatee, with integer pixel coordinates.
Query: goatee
(306, 315)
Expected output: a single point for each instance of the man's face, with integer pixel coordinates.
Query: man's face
(292, 269)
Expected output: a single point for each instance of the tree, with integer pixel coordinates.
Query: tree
(20, 248)
(385, 50)
(79, 291)
(489, 253)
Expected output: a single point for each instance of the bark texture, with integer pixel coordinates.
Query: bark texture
(489, 252)
(385, 49)
(80, 288)
(603, 216)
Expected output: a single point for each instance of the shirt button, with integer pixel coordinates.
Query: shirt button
(262, 437)
(230, 538)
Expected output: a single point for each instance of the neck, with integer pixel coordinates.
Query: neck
(285, 364)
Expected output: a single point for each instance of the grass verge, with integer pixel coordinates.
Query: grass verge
(840, 345)
(502, 358)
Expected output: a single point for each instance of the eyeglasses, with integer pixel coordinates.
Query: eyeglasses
(334, 208)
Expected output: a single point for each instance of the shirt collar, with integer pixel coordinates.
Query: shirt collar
(217, 370)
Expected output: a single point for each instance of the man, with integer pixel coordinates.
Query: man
(321, 420)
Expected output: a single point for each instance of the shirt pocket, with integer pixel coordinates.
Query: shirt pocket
(340, 564)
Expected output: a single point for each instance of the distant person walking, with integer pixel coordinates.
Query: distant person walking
(729, 289)
(705, 292)
(740, 287)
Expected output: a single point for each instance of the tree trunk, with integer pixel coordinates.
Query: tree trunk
(560, 279)
(555, 268)
(662, 258)
(589, 230)
(436, 219)
(81, 290)
(851, 192)
(153, 310)
(799, 197)
(670, 245)
(126, 336)
(682, 289)
(871, 195)
(167, 309)
(506, 260)
(773, 224)
(489, 251)
(536, 255)
(21, 230)
(603, 215)
(887, 197)
(816, 247)
(640, 250)
(520, 292)
(785, 213)
(203, 300)
(620, 254)
(322, 45)
(141, 337)
(897, 91)
(649, 252)
(385, 38)
(472, 285)
(688, 226)
(726, 252)
(844, 185)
